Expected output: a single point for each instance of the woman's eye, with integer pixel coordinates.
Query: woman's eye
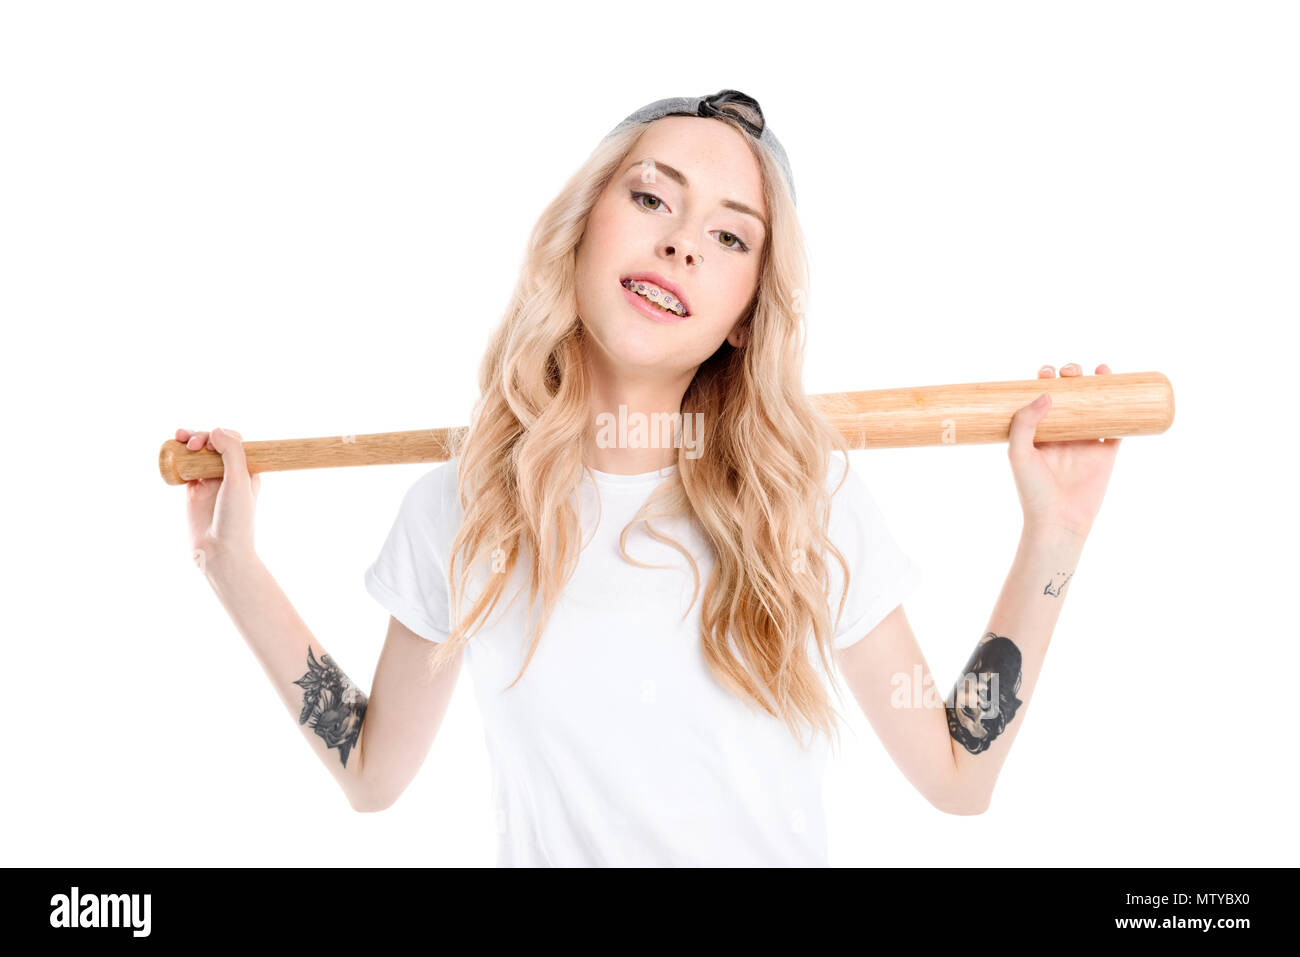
(739, 243)
(637, 197)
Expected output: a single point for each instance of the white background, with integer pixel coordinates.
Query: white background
(303, 219)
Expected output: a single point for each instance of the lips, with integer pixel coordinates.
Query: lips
(665, 284)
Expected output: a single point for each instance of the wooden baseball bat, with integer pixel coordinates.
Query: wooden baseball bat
(1083, 407)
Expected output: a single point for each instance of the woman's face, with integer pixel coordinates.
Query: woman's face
(694, 234)
(969, 704)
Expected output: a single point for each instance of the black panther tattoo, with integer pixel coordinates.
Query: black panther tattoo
(333, 705)
(984, 699)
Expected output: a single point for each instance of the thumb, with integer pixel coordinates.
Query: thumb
(1025, 422)
(233, 465)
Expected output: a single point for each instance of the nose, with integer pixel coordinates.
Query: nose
(690, 258)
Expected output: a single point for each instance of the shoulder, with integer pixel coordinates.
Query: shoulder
(439, 483)
(431, 496)
(854, 511)
(843, 482)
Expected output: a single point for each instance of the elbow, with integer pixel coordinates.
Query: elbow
(963, 810)
(366, 795)
(959, 805)
(366, 804)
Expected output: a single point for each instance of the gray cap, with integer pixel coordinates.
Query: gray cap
(732, 102)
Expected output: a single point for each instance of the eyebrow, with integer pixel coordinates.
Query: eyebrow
(680, 177)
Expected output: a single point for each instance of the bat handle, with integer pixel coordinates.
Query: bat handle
(179, 464)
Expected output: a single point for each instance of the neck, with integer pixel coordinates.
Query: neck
(632, 423)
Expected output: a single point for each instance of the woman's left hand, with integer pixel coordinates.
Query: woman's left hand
(1060, 483)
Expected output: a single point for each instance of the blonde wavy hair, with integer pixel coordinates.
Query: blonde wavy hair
(758, 492)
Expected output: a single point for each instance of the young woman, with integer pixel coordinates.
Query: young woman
(644, 462)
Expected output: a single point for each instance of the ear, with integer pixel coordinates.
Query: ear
(739, 336)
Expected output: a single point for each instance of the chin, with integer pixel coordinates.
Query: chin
(637, 351)
(632, 345)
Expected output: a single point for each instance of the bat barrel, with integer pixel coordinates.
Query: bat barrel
(1083, 407)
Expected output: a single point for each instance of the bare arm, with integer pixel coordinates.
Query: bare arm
(952, 750)
(329, 708)
(987, 703)
(406, 709)
(372, 745)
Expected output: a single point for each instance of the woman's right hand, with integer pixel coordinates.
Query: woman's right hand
(221, 509)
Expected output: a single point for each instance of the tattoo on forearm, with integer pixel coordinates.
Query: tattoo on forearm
(1057, 584)
(333, 705)
(984, 701)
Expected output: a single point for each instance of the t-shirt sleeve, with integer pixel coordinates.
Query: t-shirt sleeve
(881, 574)
(409, 576)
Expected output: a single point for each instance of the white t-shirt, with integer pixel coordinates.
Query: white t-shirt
(618, 747)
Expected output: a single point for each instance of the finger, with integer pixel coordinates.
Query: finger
(1103, 369)
(200, 489)
(255, 482)
(1071, 368)
(182, 435)
(230, 432)
(1024, 423)
(1046, 372)
(196, 441)
(231, 448)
